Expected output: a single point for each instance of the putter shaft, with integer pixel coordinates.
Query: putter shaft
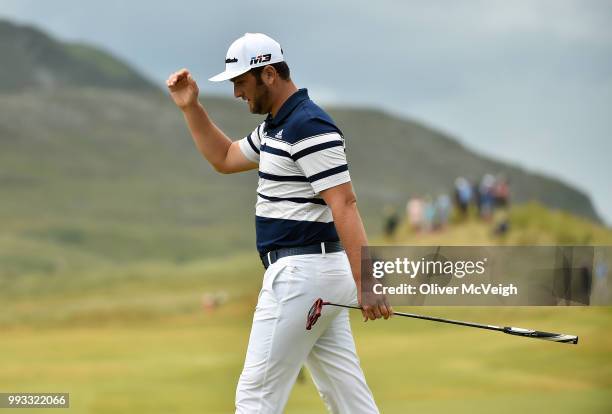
(529, 333)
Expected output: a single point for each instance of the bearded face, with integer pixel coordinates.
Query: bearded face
(260, 104)
(252, 89)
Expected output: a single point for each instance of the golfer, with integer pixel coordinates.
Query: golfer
(309, 232)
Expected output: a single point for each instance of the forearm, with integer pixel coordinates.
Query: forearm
(212, 143)
(352, 235)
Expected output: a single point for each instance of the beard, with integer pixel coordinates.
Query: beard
(261, 100)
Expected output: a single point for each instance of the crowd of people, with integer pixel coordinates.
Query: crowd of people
(486, 196)
(428, 213)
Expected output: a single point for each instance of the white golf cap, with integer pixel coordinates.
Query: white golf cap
(249, 51)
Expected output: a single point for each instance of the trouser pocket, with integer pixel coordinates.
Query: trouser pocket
(282, 283)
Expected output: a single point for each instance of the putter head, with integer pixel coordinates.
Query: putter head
(314, 313)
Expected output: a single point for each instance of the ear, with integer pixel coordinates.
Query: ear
(269, 75)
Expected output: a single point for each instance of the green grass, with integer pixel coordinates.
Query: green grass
(128, 339)
(192, 362)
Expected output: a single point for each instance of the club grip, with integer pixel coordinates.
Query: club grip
(548, 336)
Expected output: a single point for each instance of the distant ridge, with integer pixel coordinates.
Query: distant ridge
(33, 59)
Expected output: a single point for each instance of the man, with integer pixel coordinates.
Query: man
(309, 231)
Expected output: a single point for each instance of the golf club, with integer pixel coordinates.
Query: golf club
(317, 307)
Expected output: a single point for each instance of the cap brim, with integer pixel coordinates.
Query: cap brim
(226, 75)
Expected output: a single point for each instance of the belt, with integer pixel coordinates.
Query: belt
(272, 256)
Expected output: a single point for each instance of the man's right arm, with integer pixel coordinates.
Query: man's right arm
(223, 154)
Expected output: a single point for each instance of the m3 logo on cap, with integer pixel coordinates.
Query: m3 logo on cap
(261, 59)
(232, 60)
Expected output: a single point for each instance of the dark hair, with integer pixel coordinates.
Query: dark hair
(281, 68)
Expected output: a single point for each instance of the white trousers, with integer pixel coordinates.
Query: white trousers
(280, 344)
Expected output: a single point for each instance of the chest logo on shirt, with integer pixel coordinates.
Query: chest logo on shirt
(279, 134)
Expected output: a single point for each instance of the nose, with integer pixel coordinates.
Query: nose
(237, 92)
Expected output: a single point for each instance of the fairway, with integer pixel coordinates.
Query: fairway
(139, 341)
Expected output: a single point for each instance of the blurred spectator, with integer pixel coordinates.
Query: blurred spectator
(429, 213)
(501, 192)
(414, 212)
(443, 207)
(463, 195)
(487, 185)
(211, 301)
(501, 222)
(476, 196)
(601, 275)
(391, 220)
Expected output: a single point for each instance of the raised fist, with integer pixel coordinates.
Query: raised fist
(183, 89)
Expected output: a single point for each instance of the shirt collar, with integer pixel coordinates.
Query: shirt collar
(288, 106)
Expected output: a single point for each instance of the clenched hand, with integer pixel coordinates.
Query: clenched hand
(183, 88)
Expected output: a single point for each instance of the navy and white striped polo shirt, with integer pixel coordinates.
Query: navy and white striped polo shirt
(300, 153)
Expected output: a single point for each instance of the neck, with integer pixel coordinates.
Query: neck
(283, 94)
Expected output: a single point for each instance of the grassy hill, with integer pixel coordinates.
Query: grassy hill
(33, 60)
